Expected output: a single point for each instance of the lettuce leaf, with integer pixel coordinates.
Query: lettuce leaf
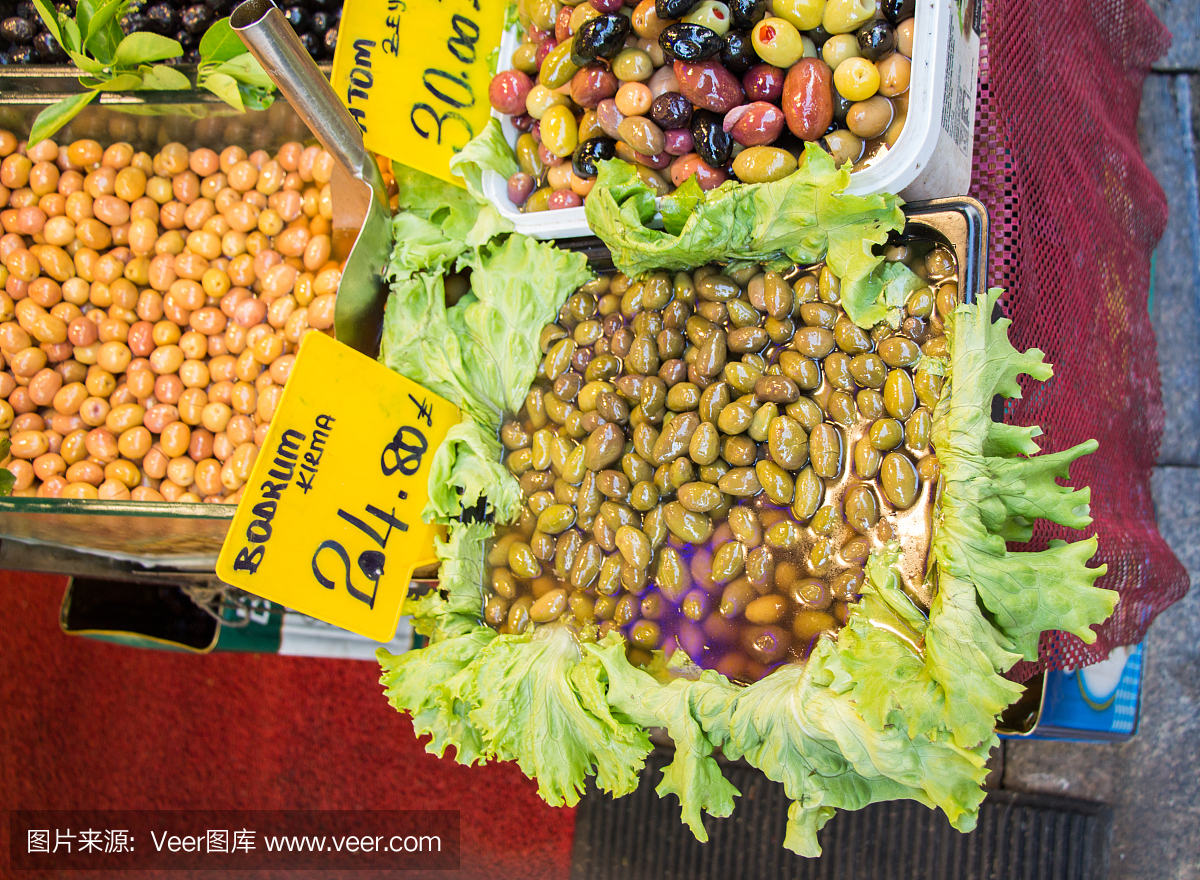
(481, 353)
(901, 704)
(540, 703)
(487, 151)
(802, 218)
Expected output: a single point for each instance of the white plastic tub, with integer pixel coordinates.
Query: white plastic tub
(931, 158)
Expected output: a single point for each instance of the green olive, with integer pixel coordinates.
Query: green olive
(728, 562)
(762, 164)
(899, 351)
(518, 615)
(675, 438)
(766, 610)
(775, 482)
(841, 408)
(862, 508)
(735, 418)
(704, 447)
(609, 582)
(810, 489)
(556, 518)
(787, 442)
(671, 574)
(928, 387)
(549, 606)
(869, 370)
(898, 394)
(735, 597)
(917, 430)
(900, 480)
(784, 535)
(800, 369)
(825, 451)
(687, 525)
(813, 342)
(806, 412)
(695, 605)
(852, 339)
(810, 594)
(759, 425)
(744, 524)
(522, 562)
(557, 67)
(920, 303)
(714, 399)
(741, 482)
(760, 568)
(699, 497)
(587, 565)
(867, 459)
(741, 377)
(886, 434)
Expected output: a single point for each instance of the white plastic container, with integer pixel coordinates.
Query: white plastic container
(931, 158)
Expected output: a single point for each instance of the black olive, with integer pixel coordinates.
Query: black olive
(192, 56)
(712, 142)
(20, 55)
(320, 22)
(745, 13)
(876, 39)
(738, 53)
(296, 17)
(791, 143)
(818, 35)
(186, 39)
(310, 42)
(668, 10)
(671, 110)
(897, 11)
(601, 37)
(331, 40)
(162, 19)
(133, 22)
(17, 30)
(841, 107)
(196, 19)
(47, 49)
(689, 42)
(583, 163)
(27, 11)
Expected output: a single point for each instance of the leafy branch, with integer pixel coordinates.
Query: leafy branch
(113, 61)
(229, 71)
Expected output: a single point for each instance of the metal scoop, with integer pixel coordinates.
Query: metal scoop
(360, 202)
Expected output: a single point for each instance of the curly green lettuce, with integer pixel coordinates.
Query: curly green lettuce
(799, 219)
(902, 703)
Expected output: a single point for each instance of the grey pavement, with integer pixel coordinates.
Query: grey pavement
(1153, 781)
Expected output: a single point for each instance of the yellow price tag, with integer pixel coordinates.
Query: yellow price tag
(330, 522)
(414, 74)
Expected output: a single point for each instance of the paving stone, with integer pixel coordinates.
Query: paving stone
(1166, 133)
(1180, 18)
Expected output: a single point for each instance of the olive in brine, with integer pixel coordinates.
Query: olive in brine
(711, 141)
(900, 480)
(689, 42)
(601, 37)
(671, 110)
(666, 10)
(825, 451)
(897, 11)
(862, 508)
(876, 39)
(583, 163)
(738, 53)
(810, 489)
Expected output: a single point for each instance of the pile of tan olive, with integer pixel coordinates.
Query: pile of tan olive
(150, 312)
(707, 460)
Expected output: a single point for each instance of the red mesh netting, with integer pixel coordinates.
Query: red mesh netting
(1075, 214)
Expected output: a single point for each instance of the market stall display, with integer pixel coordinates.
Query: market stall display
(902, 699)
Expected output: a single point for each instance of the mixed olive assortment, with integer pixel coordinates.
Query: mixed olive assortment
(151, 306)
(708, 459)
(700, 88)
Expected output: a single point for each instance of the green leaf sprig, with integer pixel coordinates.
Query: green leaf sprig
(229, 71)
(113, 61)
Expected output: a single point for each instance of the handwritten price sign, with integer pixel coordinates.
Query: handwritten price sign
(330, 523)
(414, 74)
